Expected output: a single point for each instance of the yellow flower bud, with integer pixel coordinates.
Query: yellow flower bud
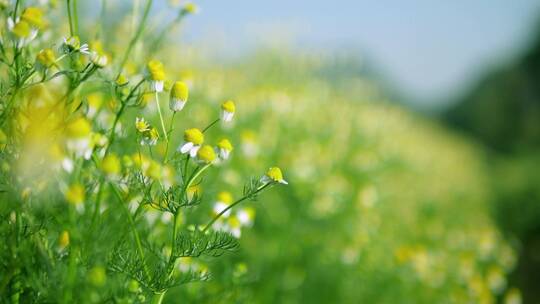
(46, 57)
(111, 165)
(78, 128)
(34, 17)
(75, 194)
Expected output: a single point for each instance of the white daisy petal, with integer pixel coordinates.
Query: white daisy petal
(186, 147)
(193, 151)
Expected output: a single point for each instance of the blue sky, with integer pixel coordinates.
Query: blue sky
(430, 49)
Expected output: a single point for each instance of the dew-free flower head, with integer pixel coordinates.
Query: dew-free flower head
(206, 154)
(73, 44)
(193, 140)
(224, 199)
(80, 127)
(179, 96)
(150, 137)
(224, 148)
(111, 165)
(75, 194)
(46, 57)
(274, 175)
(227, 110)
(121, 80)
(190, 8)
(156, 73)
(23, 30)
(141, 125)
(34, 17)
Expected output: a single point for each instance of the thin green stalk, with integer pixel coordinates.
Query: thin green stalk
(232, 205)
(211, 125)
(70, 18)
(136, 37)
(158, 298)
(170, 131)
(161, 118)
(75, 17)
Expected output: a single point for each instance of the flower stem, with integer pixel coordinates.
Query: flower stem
(232, 205)
(210, 125)
(135, 37)
(170, 131)
(161, 118)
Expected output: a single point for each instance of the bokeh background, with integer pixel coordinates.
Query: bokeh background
(413, 106)
(409, 133)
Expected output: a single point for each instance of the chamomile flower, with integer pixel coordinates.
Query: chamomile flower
(98, 59)
(34, 17)
(273, 175)
(246, 216)
(194, 138)
(121, 80)
(150, 137)
(224, 200)
(227, 110)
(46, 58)
(157, 74)
(63, 240)
(111, 165)
(224, 148)
(22, 30)
(190, 8)
(206, 154)
(78, 134)
(75, 194)
(179, 96)
(73, 44)
(141, 125)
(234, 226)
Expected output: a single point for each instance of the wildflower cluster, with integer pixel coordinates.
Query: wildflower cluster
(87, 178)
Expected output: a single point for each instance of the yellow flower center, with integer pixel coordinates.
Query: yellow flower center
(75, 194)
(155, 68)
(228, 106)
(63, 240)
(22, 29)
(225, 196)
(78, 128)
(180, 91)
(33, 16)
(46, 57)
(206, 154)
(121, 80)
(111, 165)
(225, 144)
(190, 8)
(141, 125)
(194, 136)
(274, 173)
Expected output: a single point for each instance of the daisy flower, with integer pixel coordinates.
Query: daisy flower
(79, 138)
(206, 154)
(227, 111)
(157, 74)
(141, 125)
(46, 58)
(193, 141)
(224, 148)
(273, 175)
(179, 96)
(73, 44)
(150, 137)
(224, 200)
